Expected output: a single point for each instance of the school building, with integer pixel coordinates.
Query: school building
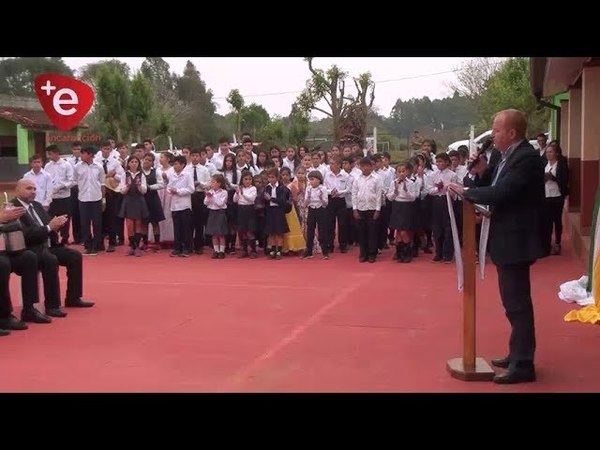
(24, 130)
(570, 87)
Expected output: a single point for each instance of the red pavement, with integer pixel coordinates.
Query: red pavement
(165, 324)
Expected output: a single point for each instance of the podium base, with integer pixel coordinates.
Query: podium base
(482, 372)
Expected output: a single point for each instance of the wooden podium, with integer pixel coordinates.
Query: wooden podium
(469, 367)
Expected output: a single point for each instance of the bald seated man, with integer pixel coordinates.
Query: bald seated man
(24, 264)
(41, 237)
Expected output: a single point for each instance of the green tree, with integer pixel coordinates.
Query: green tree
(90, 72)
(236, 101)
(253, 118)
(299, 125)
(197, 124)
(141, 104)
(274, 131)
(113, 100)
(510, 87)
(17, 74)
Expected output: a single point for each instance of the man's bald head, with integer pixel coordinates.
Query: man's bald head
(508, 128)
(26, 190)
(514, 119)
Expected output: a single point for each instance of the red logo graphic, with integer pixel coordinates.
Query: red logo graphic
(65, 100)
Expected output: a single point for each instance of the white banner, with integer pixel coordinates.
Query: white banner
(457, 253)
(485, 231)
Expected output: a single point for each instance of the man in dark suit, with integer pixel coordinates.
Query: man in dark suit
(42, 239)
(515, 192)
(23, 263)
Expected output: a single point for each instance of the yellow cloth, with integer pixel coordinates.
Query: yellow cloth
(294, 240)
(591, 313)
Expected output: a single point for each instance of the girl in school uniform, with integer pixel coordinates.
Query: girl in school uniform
(278, 202)
(316, 200)
(231, 174)
(424, 172)
(293, 241)
(165, 168)
(298, 190)
(402, 193)
(262, 159)
(155, 210)
(216, 225)
(259, 208)
(133, 208)
(244, 197)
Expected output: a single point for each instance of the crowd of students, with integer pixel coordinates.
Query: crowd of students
(248, 201)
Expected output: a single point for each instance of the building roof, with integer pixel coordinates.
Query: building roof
(551, 76)
(30, 118)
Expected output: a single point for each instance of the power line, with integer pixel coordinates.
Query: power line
(376, 82)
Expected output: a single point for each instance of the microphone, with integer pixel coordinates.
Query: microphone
(487, 143)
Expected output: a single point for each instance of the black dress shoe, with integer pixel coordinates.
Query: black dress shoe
(501, 362)
(513, 376)
(12, 323)
(4, 332)
(55, 312)
(33, 315)
(78, 303)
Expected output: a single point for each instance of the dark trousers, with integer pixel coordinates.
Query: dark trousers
(75, 216)
(336, 211)
(91, 217)
(384, 221)
(109, 216)
(260, 226)
(352, 232)
(119, 221)
(367, 233)
(59, 207)
(25, 265)
(442, 230)
(551, 218)
(182, 230)
(199, 218)
(318, 217)
(515, 291)
(5, 303)
(49, 260)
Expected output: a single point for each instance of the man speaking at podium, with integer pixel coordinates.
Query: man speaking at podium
(514, 190)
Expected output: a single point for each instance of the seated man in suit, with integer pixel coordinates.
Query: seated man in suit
(41, 238)
(24, 264)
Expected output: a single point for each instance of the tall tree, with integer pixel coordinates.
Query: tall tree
(17, 74)
(328, 86)
(346, 111)
(299, 125)
(141, 105)
(510, 87)
(254, 117)
(197, 124)
(473, 77)
(113, 99)
(158, 72)
(90, 72)
(236, 101)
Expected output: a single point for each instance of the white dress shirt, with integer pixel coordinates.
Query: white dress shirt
(316, 197)
(73, 160)
(62, 178)
(202, 175)
(43, 185)
(89, 178)
(31, 211)
(183, 183)
(114, 154)
(446, 176)
(551, 186)
(218, 200)
(399, 194)
(246, 196)
(338, 182)
(367, 193)
(124, 188)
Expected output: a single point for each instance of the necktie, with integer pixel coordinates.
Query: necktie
(104, 164)
(195, 175)
(76, 160)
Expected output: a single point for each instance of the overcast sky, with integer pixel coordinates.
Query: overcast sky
(275, 82)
